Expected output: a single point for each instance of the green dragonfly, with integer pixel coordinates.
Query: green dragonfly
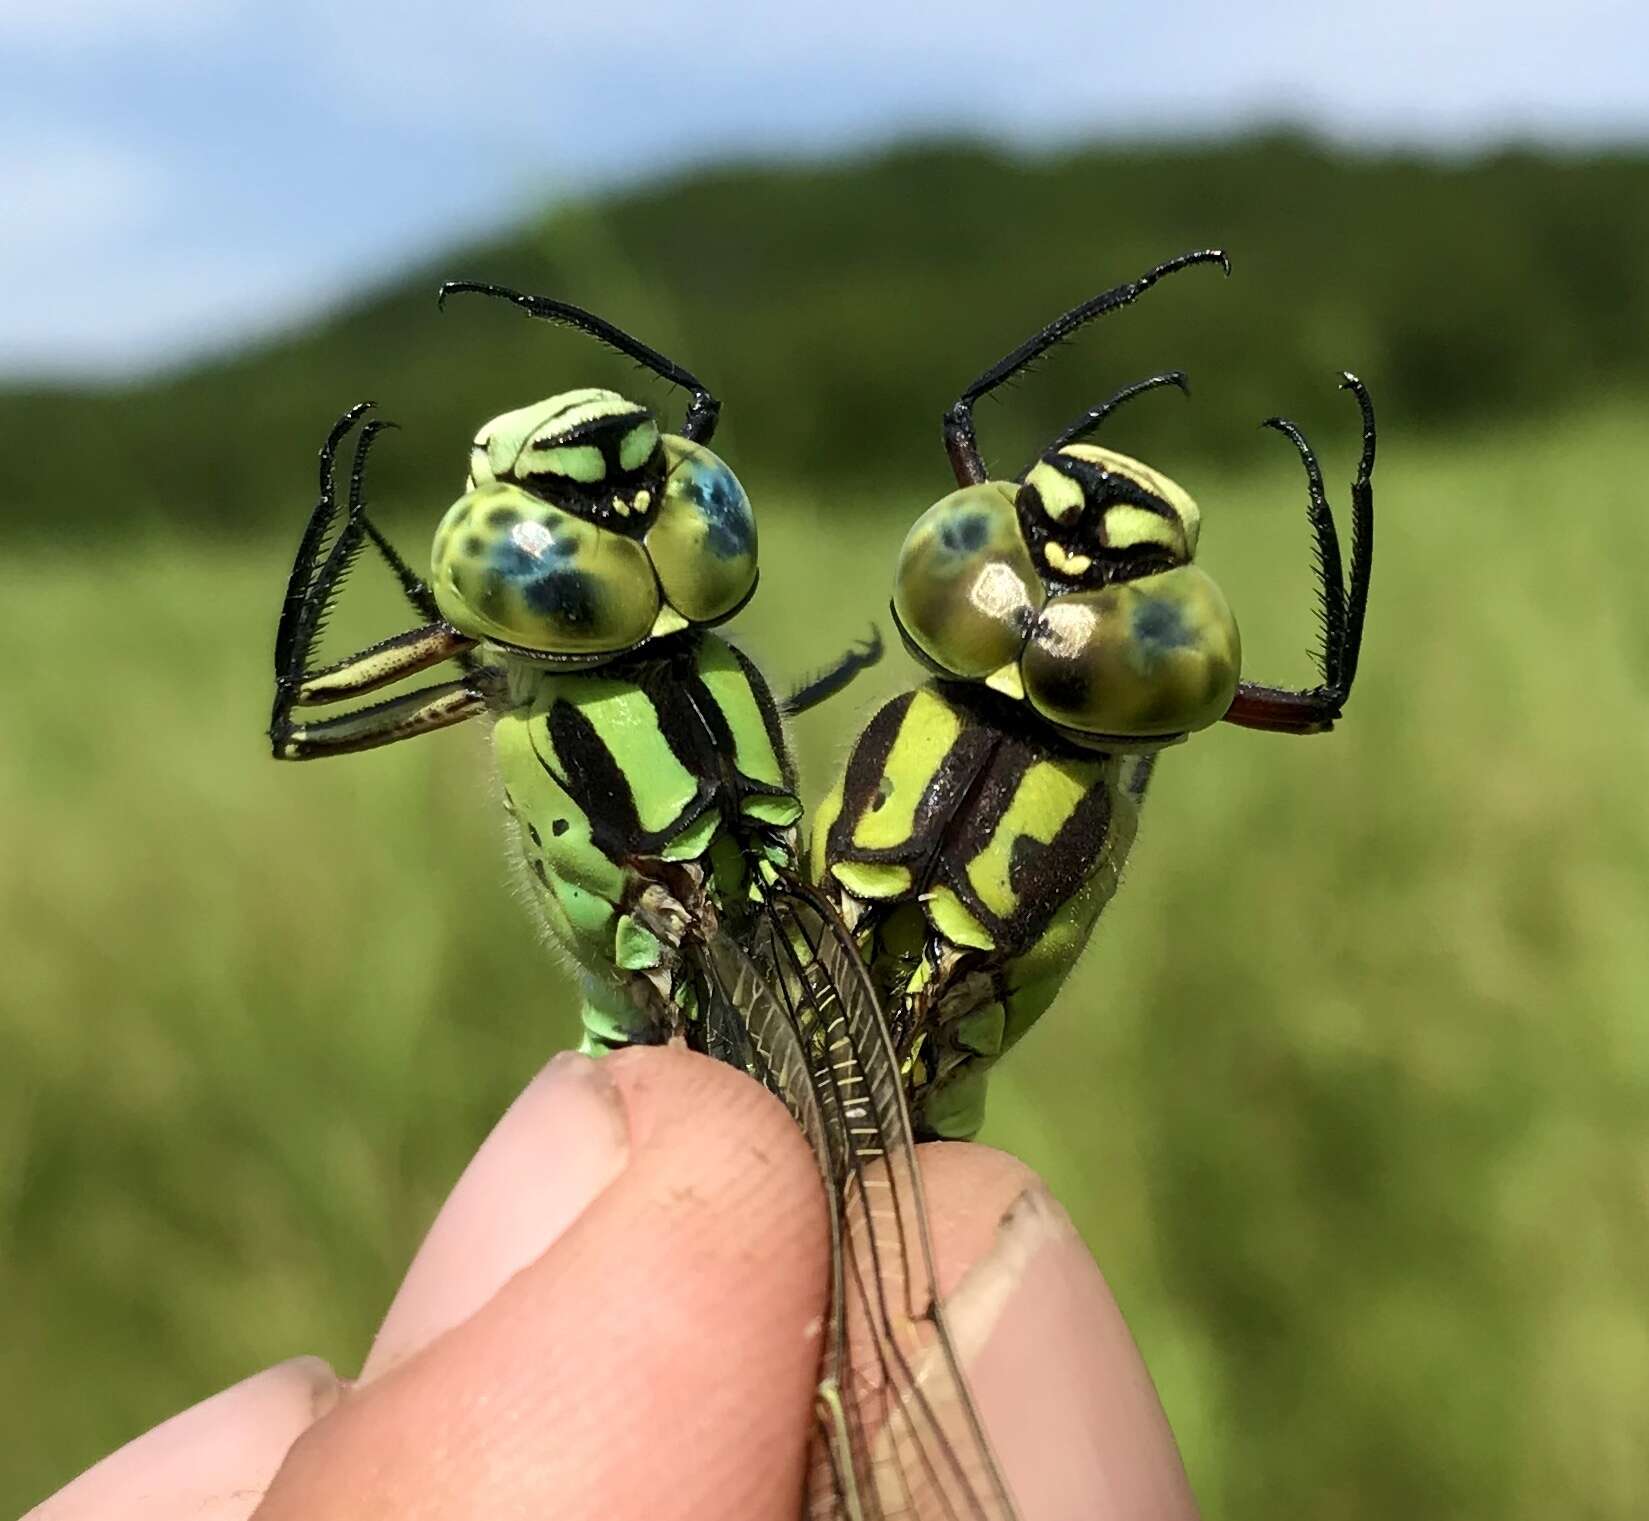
(574, 584)
(982, 821)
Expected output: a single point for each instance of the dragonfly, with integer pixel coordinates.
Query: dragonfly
(574, 587)
(982, 821)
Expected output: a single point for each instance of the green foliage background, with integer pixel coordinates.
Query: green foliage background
(1351, 1096)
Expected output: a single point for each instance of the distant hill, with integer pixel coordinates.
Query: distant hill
(837, 309)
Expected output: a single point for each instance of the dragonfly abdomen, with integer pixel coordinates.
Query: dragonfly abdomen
(973, 858)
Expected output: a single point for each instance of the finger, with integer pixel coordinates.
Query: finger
(211, 1462)
(1062, 1390)
(556, 1148)
(659, 1359)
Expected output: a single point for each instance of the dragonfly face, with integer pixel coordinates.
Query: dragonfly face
(982, 822)
(584, 532)
(1074, 594)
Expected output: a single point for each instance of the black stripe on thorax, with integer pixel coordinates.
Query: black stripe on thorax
(1043, 877)
(946, 796)
(593, 778)
(962, 808)
(767, 705)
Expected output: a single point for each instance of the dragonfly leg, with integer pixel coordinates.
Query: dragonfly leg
(1090, 420)
(703, 409)
(960, 442)
(403, 717)
(834, 678)
(311, 590)
(1341, 609)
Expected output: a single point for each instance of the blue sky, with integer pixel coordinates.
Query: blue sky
(179, 174)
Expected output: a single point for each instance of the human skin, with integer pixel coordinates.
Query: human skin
(616, 1314)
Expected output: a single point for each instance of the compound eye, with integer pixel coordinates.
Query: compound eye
(511, 567)
(703, 542)
(967, 593)
(1158, 656)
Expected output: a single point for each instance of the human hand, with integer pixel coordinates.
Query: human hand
(616, 1315)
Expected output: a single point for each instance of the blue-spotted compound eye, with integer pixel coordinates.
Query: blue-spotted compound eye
(703, 543)
(1158, 656)
(966, 591)
(509, 566)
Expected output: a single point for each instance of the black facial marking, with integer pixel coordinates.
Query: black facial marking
(559, 827)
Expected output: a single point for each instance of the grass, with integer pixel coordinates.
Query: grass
(1351, 1096)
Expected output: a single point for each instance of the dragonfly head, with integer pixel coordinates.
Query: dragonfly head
(584, 533)
(1074, 593)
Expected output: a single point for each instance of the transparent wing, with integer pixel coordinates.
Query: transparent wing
(899, 1434)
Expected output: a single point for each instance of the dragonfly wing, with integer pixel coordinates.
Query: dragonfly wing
(902, 1434)
(751, 1023)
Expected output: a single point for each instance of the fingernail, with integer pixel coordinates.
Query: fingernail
(553, 1153)
(1062, 1389)
(212, 1461)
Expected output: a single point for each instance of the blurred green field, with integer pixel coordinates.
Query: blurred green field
(1351, 1096)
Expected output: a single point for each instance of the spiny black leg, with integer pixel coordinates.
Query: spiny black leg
(303, 570)
(417, 592)
(1362, 530)
(301, 582)
(960, 443)
(346, 548)
(1331, 589)
(311, 592)
(412, 584)
(835, 677)
(1094, 416)
(1310, 712)
(702, 412)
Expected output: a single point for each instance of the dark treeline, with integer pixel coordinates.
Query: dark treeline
(837, 309)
